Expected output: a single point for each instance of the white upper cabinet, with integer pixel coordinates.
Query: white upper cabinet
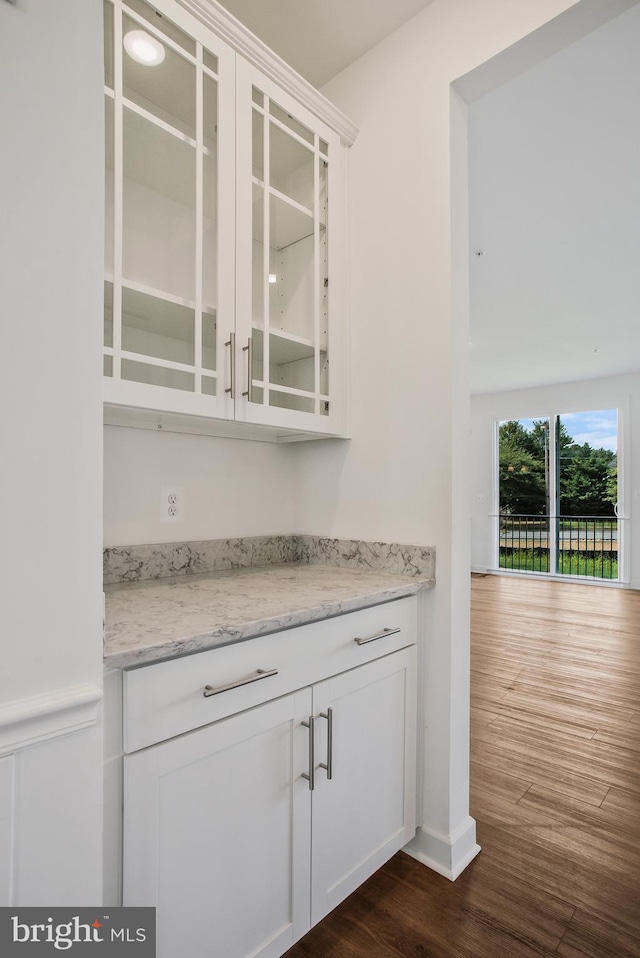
(288, 315)
(169, 265)
(224, 230)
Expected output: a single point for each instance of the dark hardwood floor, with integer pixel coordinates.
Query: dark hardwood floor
(555, 778)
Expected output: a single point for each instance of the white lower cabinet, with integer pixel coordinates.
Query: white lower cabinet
(246, 832)
(217, 834)
(366, 811)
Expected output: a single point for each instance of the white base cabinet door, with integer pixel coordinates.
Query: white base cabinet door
(217, 834)
(246, 831)
(365, 723)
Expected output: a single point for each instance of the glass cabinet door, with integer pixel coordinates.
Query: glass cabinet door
(283, 311)
(169, 137)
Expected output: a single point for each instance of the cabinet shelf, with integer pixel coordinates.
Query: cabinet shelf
(283, 347)
(166, 122)
(161, 295)
(160, 328)
(290, 222)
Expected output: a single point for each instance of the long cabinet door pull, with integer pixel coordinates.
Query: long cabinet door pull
(311, 777)
(232, 359)
(210, 690)
(248, 349)
(328, 715)
(379, 635)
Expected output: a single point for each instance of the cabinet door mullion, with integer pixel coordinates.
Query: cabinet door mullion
(199, 223)
(118, 189)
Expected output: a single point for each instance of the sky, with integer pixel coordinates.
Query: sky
(598, 427)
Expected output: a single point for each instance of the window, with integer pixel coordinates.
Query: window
(557, 490)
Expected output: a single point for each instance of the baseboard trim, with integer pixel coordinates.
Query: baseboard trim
(448, 855)
(36, 719)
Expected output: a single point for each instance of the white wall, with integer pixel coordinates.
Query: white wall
(405, 474)
(622, 392)
(51, 172)
(232, 487)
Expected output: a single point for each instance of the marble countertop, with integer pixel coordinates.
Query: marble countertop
(157, 619)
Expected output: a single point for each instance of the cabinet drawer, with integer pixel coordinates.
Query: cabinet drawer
(172, 697)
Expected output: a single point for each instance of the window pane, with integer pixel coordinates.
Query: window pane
(257, 271)
(108, 44)
(160, 22)
(287, 120)
(167, 90)
(210, 232)
(291, 167)
(155, 327)
(209, 386)
(209, 341)
(108, 314)
(291, 363)
(289, 401)
(109, 186)
(292, 296)
(159, 208)
(157, 375)
(210, 61)
(210, 118)
(323, 290)
(587, 493)
(258, 145)
(524, 495)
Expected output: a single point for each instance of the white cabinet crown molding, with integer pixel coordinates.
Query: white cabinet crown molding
(221, 22)
(36, 719)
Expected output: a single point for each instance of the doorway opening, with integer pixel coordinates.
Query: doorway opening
(557, 494)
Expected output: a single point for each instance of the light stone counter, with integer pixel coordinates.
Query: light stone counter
(155, 619)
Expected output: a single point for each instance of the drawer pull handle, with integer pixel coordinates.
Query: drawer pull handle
(210, 690)
(311, 777)
(328, 715)
(379, 635)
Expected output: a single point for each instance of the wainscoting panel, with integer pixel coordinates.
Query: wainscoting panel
(6, 829)
(51, 799)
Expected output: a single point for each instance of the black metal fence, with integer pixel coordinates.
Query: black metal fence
(581, 545)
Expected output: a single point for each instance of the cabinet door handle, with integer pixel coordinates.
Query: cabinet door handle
(232, 359)
(210, 690)
(379, 635)
(311, 777)
(328, 715)
(248, 349)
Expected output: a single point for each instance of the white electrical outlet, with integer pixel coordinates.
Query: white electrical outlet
(171, 503)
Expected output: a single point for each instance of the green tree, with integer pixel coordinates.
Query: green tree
(522, 469)
(612, 486)
(588, 476)
(586, 481)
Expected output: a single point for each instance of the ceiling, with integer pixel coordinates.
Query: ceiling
(554, 217)
(319, 38)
